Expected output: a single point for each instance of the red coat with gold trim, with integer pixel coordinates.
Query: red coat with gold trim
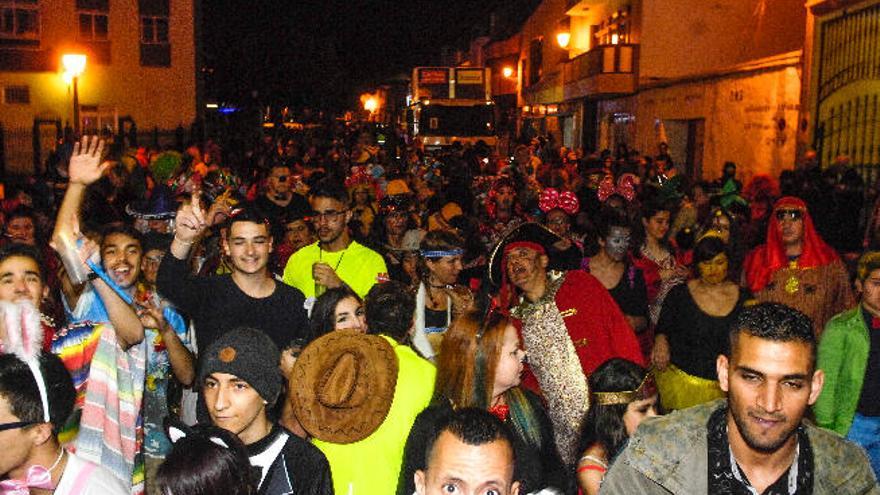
(594, 322)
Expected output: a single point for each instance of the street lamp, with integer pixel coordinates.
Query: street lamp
(507, 71)
(563, 37)
(74, 65)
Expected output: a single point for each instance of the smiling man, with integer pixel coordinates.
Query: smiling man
(755, 441)
(241, 382)
(248, 296)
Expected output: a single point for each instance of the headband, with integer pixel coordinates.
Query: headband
(646, 389)
(441, 254)
(524, 244)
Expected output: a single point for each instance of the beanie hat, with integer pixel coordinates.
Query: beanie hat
(248, 354)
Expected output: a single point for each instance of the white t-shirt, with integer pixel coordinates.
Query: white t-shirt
(81, 477)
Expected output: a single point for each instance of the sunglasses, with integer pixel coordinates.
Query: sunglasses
(789, 214)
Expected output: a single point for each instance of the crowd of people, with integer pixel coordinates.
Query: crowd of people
(319, 314)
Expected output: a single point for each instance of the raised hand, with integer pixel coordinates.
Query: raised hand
(85, 162)
(190, 220)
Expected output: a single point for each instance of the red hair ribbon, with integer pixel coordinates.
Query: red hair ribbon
(565, 201)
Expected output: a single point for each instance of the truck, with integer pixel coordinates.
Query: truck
(446, 105)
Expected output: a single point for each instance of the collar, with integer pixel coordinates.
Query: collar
(725, 475)
(871, 321)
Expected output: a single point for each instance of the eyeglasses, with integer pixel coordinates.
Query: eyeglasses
(329, 215)
(789, 214)
(17, 424)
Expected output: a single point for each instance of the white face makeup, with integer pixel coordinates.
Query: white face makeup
(616, 244)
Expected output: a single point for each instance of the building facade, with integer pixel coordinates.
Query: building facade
(841, 98)
(140, 70)
(717, 80)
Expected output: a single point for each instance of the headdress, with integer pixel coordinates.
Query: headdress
(646, 389)
(625, 187)
(566, 201)
(361, 179)
(766, 259)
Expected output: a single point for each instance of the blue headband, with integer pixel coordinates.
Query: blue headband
(440, 254)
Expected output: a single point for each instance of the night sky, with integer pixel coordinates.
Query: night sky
(322, 53)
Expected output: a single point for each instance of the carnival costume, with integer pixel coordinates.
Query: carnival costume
(815, 283)
(572, 329)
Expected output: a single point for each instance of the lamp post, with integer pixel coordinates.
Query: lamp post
(74, 65)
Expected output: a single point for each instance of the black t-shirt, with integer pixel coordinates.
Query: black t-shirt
(869, 401)
(217, 305)
(695, 338)
(299, 468)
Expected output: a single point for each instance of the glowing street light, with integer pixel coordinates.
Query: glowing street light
(563, 37)
(74, 65)
(371, 104)
(507, 72)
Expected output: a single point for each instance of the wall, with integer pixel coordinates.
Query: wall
(686, 37)
(750, 119)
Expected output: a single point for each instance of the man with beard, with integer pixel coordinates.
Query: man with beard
(335, 259)
(569, 326)
(755, 441)
(248, 296)
(797, 268)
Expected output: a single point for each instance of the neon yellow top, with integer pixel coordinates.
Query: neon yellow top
(372, 465)
(358, 266)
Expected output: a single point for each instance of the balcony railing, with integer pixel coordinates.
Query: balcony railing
(604, 69)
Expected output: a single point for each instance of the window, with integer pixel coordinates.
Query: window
(536, 60)
(154, 30)
(19, 19)
(155, 40)
(93, 26)
(16, 95)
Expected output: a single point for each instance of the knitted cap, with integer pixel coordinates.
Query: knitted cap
(248, 354)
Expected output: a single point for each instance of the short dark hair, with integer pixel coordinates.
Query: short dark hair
(197, 465)
(247, 213)
(322, 320)
(776, 322)
(389, 310)
(18, 386)
(24, 251)
(708, 248)
(121, 228)
(473, 426)
(22, 211)
(328, 188)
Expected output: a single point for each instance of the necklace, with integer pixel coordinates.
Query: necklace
(792, 285)
(338, 262)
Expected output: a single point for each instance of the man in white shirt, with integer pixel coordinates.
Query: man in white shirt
(32, 459)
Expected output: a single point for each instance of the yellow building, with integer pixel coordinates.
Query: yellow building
(140, 68)
(841, 97)
(718, 80)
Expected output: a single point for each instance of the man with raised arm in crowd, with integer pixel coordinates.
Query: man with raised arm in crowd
(247, 296)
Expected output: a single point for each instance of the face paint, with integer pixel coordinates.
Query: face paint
(714, 271)
(617, 243)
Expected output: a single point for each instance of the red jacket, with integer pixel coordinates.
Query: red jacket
(595, 324)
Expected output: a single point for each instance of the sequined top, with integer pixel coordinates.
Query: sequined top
(555, 363)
